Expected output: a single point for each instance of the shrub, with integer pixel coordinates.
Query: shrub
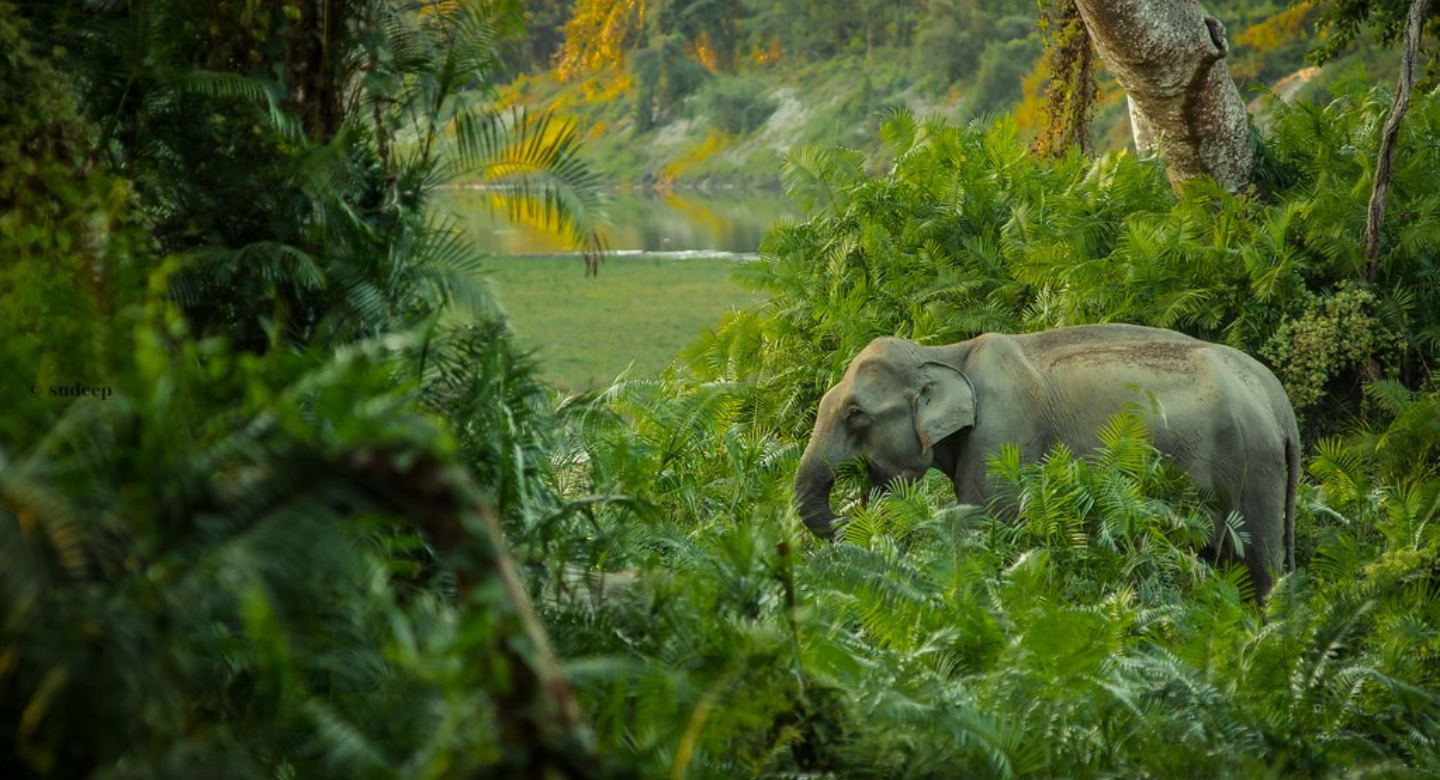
(735, 104)
(967, 233)
(1337, 335)
(67, 272)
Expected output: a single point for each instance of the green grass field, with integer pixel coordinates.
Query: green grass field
(639, 313)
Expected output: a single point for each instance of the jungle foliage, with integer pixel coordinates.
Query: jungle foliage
(315, 532)
(1084, 638)
(272, 547)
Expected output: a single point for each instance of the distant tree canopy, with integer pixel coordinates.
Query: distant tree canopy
(1341, 23)
(724, 33)
(985, 57)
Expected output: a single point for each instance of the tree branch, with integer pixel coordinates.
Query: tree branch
(1375, 218)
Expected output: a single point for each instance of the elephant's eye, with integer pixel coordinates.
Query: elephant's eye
(853, 413)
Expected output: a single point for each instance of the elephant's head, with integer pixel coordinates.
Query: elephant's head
(896, 401)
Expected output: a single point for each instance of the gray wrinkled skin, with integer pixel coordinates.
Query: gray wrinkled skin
(1225, 419)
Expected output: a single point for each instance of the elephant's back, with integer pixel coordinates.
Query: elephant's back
(1102, 347)
(1055, 338)
(1253, 382)
(1095, 367)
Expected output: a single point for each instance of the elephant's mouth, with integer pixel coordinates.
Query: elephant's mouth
(815, 478)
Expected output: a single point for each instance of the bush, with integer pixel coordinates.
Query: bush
(1084, 638)
(270, 548)
(735, 104)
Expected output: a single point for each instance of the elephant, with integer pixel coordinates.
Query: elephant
(908, 408)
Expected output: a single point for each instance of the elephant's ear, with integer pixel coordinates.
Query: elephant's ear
(946, 403)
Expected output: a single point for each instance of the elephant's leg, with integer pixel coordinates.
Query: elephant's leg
(1258, 496)
(1243, 469)
(1262, 504)
(1212, 480)
(1227, 491)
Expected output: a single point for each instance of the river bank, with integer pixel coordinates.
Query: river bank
(686, 219)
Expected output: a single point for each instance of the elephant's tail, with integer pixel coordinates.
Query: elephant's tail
(1292, 468)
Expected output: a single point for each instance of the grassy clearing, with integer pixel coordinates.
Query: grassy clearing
(639, 313)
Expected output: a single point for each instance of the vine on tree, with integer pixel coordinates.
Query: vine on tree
(1070, 99)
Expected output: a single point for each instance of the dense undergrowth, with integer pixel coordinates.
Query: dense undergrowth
(330, 537)
(1085, 638)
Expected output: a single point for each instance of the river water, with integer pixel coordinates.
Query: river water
(652, 225)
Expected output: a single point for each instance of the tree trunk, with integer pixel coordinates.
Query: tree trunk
(1375, 216)
(1169, 55)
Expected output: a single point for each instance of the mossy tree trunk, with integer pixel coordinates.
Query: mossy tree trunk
(1169, 55)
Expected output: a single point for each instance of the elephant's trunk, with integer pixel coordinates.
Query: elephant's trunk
(813, 482)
